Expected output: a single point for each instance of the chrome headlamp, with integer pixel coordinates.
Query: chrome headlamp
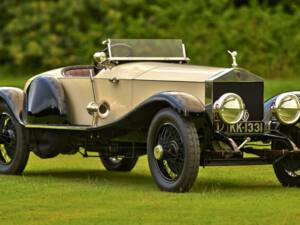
(230, 108)
(287, 108)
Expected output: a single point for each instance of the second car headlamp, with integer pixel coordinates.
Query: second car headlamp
(230, 108)
(287, 108)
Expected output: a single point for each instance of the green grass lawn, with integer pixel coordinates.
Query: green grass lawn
(13, 81)
(73, 190)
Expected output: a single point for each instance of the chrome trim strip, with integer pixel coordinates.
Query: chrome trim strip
(56, 127)
(215, 76)
(109, 50)
(149, 58)
(235, 75)
(183, 49)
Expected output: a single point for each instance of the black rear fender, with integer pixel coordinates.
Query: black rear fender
(46, 101)
(14, 99)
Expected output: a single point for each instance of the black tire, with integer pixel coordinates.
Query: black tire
(118, 164)
(177, 168)
(286, 170)
(13, 150)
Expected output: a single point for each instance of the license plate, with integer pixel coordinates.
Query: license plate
(244, 127)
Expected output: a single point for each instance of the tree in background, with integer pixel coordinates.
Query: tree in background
(41, 34)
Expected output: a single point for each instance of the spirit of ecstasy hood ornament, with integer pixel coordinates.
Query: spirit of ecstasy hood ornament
(233, 55)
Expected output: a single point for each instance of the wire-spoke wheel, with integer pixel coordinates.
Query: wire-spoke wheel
(286, 176)
(171, 161)
(286, 170)
(13, 152)
(173, 151)
(8, 147)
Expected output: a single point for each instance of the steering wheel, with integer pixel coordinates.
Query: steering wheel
(127, 47)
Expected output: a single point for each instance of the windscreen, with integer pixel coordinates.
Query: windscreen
(146, 48)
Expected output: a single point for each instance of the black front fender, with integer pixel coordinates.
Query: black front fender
(14, 98)
(184, 103)
(139, 119)
(141, 116)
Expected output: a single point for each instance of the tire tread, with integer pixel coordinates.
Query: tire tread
(192, 146)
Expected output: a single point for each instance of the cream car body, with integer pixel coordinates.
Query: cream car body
(136, 83)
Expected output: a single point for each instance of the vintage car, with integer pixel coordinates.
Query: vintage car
(142, 98)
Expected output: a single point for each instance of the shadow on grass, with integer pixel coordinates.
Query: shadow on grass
(145, 181)
(96, 175)
(216, 185)
(99, 177)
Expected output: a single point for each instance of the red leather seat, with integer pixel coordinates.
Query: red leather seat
(78, 71)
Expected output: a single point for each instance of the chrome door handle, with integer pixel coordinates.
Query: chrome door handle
(114, 80)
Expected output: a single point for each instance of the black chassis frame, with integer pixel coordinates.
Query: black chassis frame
(109, 141)
(265, 155)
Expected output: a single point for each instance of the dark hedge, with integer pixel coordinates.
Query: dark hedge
(37, 34)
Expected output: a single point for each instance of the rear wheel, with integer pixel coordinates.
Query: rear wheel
(13, 152)
(173, 151)
(118, 163)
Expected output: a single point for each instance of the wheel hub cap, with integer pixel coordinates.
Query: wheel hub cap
(158, 152)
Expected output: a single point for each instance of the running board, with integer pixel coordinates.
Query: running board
(236, 162)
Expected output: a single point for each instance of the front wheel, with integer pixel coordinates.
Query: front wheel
(287, 177)
(286, 170)
(173, 151)
(13, 151)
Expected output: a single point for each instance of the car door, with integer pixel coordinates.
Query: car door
(113, 88)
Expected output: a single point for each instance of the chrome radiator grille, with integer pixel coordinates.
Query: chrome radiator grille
(252, 94)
